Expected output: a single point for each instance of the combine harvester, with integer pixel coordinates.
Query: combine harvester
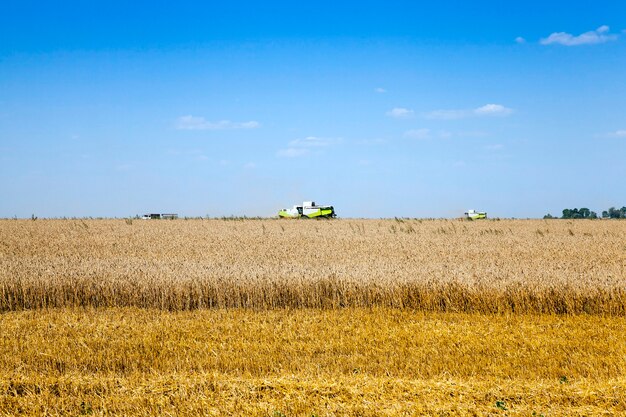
(475, 215)
(308, 210)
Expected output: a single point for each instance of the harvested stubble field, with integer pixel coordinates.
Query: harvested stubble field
(302, 318)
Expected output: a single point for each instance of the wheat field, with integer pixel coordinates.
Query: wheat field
(274, 318)
(517, 266)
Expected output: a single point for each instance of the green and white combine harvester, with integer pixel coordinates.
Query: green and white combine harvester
(475, 215)
(308, 210)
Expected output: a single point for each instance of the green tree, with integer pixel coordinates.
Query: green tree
(567, 214)
(614, 213)
(584, 212)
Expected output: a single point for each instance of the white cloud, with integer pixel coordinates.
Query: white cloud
(520, 40)
(446, 114)
(292, 152)
(312, 142)
(493, 110)
(428, 134)
(371, 142)
(305, 146)
(418, 134)
(124, 167)
(600, 35)
(472, 134)
(380, 90)
(190, 122)
(400, 113)
(196, 154)
(486, 110)
(618, 134)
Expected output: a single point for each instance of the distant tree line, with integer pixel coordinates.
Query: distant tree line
(581, 213)
(614, 213)
(585, 213)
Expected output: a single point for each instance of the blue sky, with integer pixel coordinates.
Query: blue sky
(380, 108)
